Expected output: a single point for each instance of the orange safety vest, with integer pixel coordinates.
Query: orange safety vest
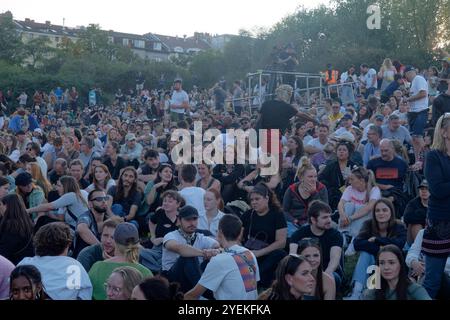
(334, 76)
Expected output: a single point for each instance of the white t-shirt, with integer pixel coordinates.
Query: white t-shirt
(71, 201)
(307, 139)
(194, 197)
(64, 278)
(358, 197)
(214, 225)
(223, 276)
(418, 84)
(368, 78)
(178, 97)
(316, 144)
(201, 242)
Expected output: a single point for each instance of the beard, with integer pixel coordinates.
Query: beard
(100, 209)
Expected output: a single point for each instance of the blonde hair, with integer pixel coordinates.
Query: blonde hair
(131, 278)
(36, 174)
(131, 252)
(284, 93)
(368, 177)
(438, 140)
(387, 63)
(303, 165)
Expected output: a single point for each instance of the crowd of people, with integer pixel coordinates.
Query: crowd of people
(92, 205)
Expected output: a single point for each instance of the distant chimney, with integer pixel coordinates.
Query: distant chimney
(184, 37)
(27, 20)
(47, 22)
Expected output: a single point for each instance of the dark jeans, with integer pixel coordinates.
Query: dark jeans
(186, 271)
(267, 266)
(434, 272)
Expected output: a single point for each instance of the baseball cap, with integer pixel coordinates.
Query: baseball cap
(347, 117)
(408, 69)
(20, 132)
(38, 130)
(126, 233)
(23, 179)
(379, 117)
(188, 212)
(130, 137)
(177, 80)
(423, 184)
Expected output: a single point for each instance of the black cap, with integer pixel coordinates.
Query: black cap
(126, 233)
(188, 212)
(408, 69)
(23, 179)
(423, 184)
(177, 80)
(20, 132)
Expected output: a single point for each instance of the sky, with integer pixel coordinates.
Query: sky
(167, 17)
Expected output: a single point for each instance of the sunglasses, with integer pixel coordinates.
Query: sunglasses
(99, 199)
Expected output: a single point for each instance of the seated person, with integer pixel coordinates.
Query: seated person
(416, 212)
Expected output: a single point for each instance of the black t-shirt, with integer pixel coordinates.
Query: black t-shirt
(389, 172)
(331, 238)
(290, 64)
(115, 170)
(132, 199)
(276, 115)
(163, 224)
(54, 177)
(415, 212)
(83, 184)
(263, 227)
(146, 170)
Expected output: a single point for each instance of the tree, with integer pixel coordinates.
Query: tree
(11, 47)
(37, 51)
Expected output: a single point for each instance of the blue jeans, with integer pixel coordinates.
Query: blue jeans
(365, 260)
(117, 210)
(433, 274)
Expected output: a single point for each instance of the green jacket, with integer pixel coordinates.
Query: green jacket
(35, 198)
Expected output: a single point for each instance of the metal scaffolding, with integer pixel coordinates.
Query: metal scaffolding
(275, 75)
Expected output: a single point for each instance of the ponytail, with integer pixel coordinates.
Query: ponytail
(303, 165)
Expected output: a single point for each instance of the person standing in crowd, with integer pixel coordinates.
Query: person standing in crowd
(436, 239)
(179, 103)
(441, 104)
(233, 274)
(418, 110)
(51, 244)
(368, 80)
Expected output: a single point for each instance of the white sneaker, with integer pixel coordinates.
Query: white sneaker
(350, 250)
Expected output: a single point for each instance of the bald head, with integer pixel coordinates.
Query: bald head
(387, 150)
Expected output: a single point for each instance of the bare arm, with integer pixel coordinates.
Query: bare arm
(183, 249)
(335, 258)
(132, 213)
(195, 293)
(86, 234)
(422, 94)
(154, 240)
(279, 243)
